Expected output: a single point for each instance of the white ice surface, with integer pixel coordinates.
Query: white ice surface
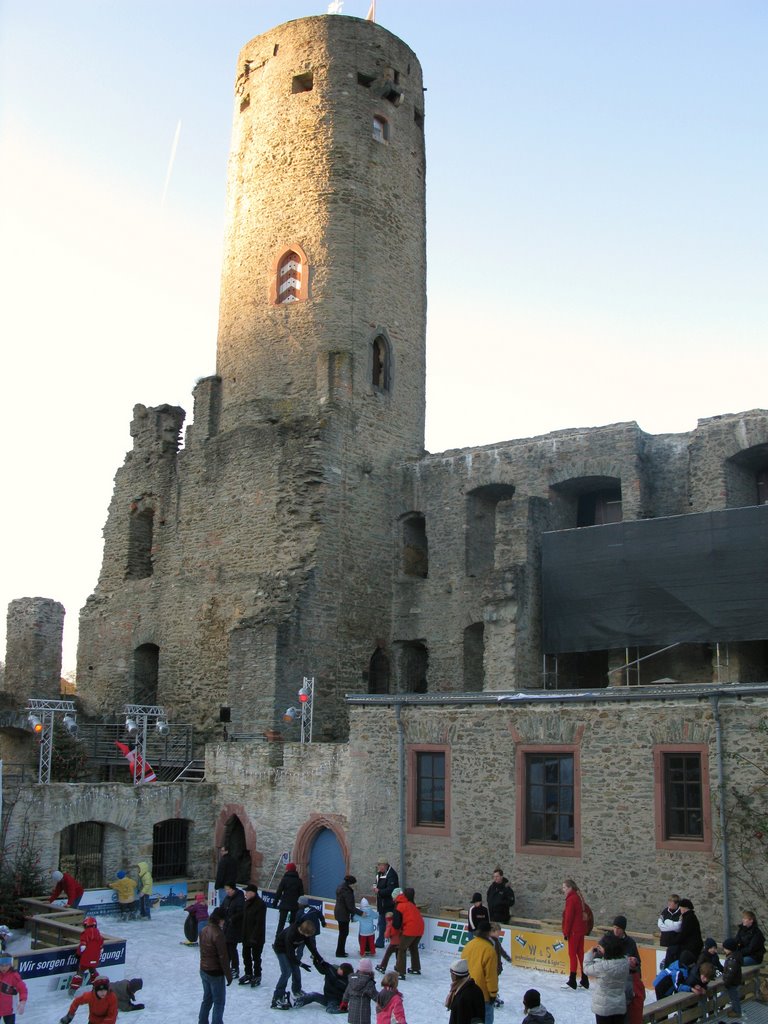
(172, 990)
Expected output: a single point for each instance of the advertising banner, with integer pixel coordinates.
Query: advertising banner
(45, 963)
(104, 901)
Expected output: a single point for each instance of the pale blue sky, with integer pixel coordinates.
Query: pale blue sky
(596, 184)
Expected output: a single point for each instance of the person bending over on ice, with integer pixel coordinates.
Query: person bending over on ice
(101, 1003)
(69, 886)
(126, 991)
(11, 985)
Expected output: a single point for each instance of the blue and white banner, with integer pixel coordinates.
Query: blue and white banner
(46, 962)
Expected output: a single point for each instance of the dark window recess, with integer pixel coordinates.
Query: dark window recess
(418, 117)
(303, 83)
(275, 49)
(380, 364)
(146, 671)
(414, 665)
(392, 94)
(81, 848)
(430, 789)
(683, 811)
(245, 102)
(415, 546)
(365, 80)
(170, 843)
(761, 480)
(549, 814)
(140, 533)
(378, 672)
(596, 508)
(235, 842)
(474, 650)
(481, 526)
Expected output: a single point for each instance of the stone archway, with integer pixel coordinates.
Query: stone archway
(226, 814)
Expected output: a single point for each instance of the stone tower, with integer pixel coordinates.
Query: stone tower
(263, 551)
(33, 648)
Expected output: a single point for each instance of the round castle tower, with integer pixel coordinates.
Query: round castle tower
(323, 284)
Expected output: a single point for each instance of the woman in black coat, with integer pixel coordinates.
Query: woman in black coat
(689, 936)
(344, 911)
(287, 896)
(233, 907)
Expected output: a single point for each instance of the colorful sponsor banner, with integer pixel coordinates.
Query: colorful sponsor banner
(442, 935)
(104, 901)
(47, 962)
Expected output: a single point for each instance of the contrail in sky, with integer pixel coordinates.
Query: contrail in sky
(170, 163)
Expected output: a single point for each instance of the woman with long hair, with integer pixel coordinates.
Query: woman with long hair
(574, 930)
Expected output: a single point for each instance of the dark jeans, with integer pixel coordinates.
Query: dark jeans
(341, 945)
(288, 970)
(145, 903)
(214, 995)
(252, 959)
(331, 1006)
(612, 1018)
(382, 929)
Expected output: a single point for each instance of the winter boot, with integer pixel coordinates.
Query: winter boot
(284, 1003)
(411, 971)
(245, 979)
(379, 968)
(584, 983)
(298, 1000)
(255, 981)
(571, 983)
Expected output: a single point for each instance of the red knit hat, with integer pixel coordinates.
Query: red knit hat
(290, 866)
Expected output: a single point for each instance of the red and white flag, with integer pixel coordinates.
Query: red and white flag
(135, 763)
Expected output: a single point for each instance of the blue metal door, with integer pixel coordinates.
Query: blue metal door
(326, 865)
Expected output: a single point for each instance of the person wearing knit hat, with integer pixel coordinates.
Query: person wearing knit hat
(101, 1003)
(535, 1012)
(476, 913)
(125, 888)
(465, 998)
(287, 896)
(359, 993)
(126, 991)
(366, 935)
(67, 885)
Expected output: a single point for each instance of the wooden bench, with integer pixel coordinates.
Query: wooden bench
(686, 1007)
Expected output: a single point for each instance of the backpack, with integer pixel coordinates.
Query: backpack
(587, 916)
(732, 970)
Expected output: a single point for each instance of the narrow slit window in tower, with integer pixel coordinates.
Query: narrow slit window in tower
(380, 128)
(365, 80)
(289, 278)
(380, 364)
(140, 530)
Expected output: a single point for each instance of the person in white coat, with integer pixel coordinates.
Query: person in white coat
(607, 965)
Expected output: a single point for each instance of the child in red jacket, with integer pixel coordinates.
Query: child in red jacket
(11, 985)
(89, 950)
(101, 1003)
(392, 935)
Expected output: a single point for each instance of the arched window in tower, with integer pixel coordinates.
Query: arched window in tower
(381, 364)
(378, 672)
(290, 278)
(289, 284)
